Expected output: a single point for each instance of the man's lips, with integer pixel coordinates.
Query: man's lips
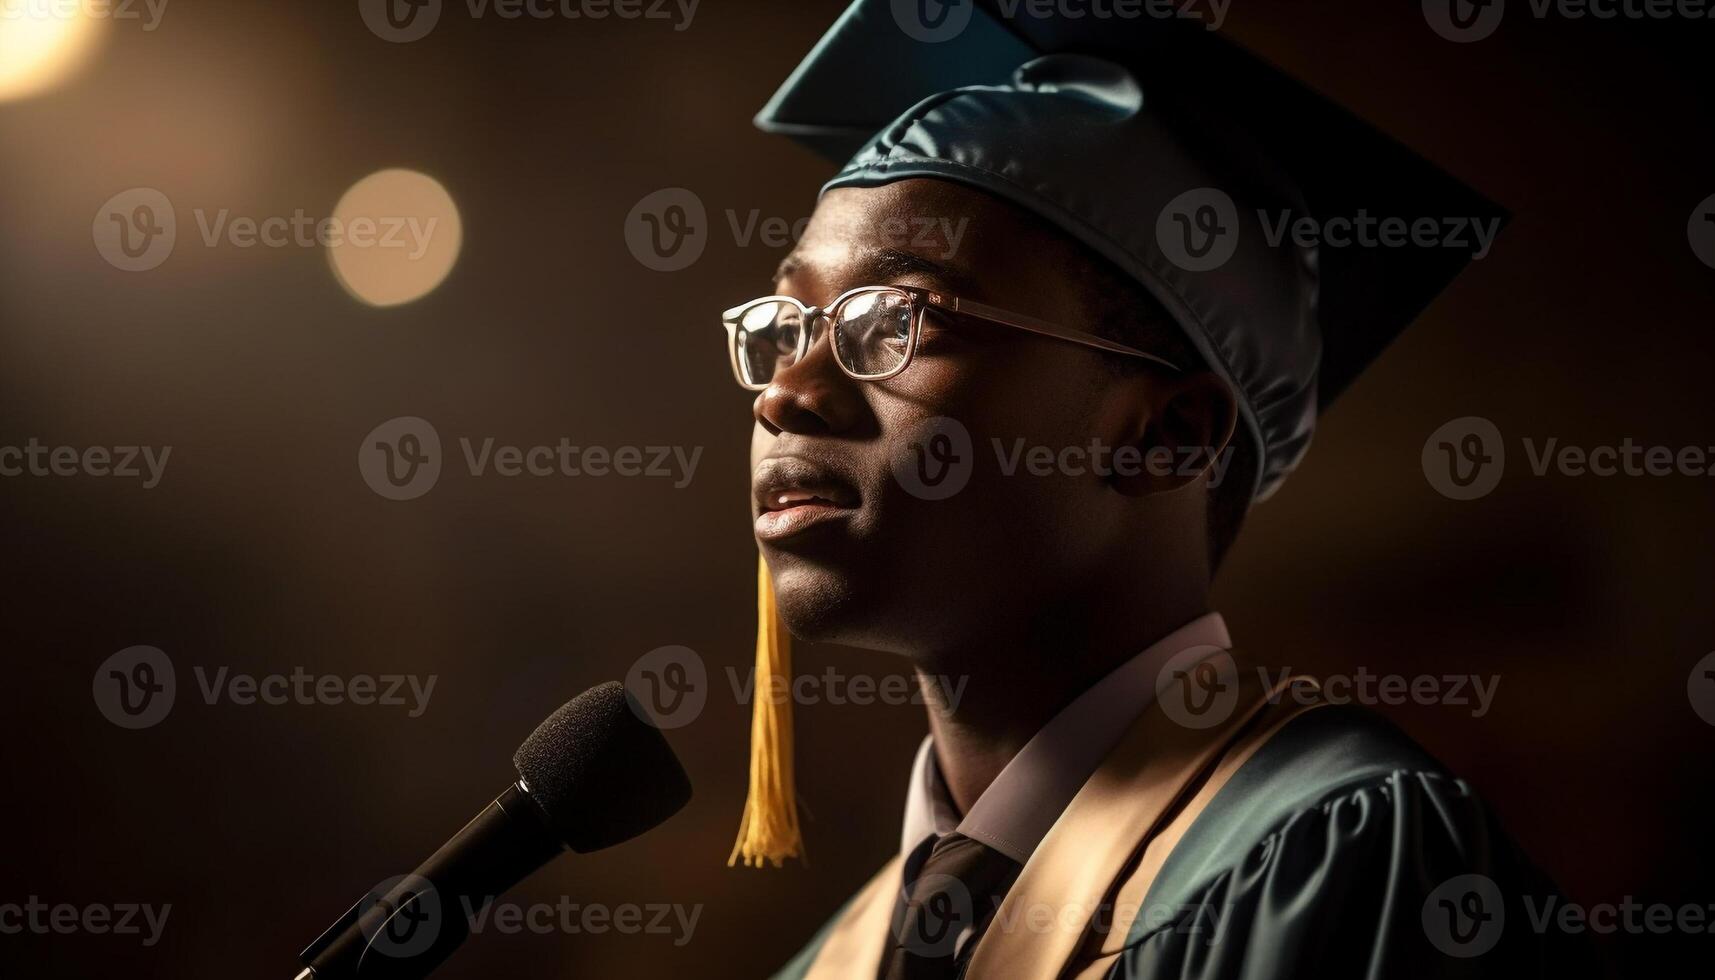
(793, 494)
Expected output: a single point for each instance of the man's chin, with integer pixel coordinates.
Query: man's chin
(823, 604)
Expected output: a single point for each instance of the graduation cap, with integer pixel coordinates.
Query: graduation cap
(1288, 239)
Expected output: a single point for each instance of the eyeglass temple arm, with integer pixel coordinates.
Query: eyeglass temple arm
(1008, 318)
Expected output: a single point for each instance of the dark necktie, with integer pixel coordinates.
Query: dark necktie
(957, 886)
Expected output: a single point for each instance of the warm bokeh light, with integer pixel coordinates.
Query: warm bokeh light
(42, 43)
(393, 237)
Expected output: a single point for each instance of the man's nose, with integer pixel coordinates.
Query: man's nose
(812, 396)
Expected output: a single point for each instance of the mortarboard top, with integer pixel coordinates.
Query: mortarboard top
(1117, 158)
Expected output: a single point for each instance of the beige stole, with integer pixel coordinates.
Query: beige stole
(1104, 852)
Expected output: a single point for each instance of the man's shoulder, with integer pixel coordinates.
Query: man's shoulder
(1318, 760)
(1343, 848)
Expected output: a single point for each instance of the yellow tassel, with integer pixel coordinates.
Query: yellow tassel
(769, 831)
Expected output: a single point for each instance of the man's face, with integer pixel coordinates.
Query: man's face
(865, 557)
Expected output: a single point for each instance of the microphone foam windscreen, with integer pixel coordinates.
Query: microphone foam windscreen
(600, 772)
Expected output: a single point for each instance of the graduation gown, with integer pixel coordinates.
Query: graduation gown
(1293, 839)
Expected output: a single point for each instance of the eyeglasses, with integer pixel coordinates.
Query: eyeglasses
(875, 332)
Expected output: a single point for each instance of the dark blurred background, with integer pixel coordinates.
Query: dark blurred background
(262, 548)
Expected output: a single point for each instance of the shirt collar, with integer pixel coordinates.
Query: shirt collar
(1016, 811)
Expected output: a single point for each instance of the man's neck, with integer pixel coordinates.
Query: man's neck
(983, 707)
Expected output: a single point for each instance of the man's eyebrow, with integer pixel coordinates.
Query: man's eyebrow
(887, 263)
(881, 265)
(788, 265)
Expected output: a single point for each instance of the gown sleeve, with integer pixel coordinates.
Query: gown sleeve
(1404, 875)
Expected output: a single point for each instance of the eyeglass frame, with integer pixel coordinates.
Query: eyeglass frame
(922, 300)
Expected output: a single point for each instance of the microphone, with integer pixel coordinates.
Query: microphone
(592, 775)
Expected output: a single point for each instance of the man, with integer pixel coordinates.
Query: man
(997, 266)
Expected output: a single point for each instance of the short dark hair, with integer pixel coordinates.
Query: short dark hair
(1121, 309)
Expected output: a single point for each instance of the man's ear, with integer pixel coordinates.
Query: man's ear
(1184, 434)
